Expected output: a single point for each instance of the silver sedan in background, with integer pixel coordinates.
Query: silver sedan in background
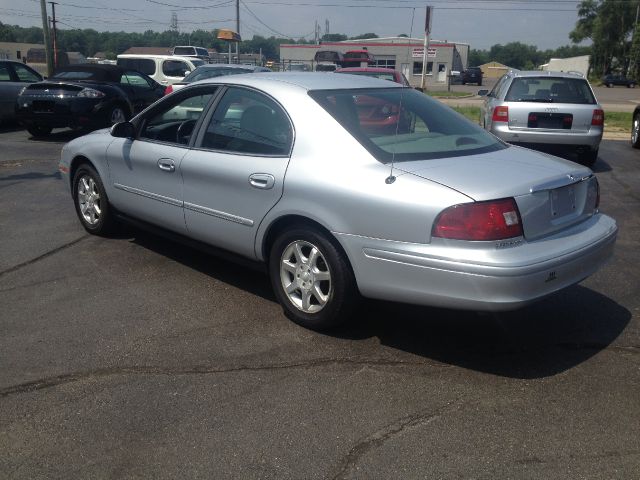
(345, 186)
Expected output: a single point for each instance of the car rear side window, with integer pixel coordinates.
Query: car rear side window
(5, 75)
(550, 90)
(174, 68)
(248, 122)
(25, 75)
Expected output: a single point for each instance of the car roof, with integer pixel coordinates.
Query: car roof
(541, 73)
(144, 55)
(213, 66)
(303, 80)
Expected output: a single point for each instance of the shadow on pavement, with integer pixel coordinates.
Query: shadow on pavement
(544, 339)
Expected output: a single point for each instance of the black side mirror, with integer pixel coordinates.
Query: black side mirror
(123, 130)
(483, 92)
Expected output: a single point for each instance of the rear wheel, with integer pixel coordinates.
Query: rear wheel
(311, 278)
(39, 130)
(632, 85)
(91, 202)
(635, 131)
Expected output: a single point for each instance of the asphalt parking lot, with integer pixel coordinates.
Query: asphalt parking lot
(131, 357)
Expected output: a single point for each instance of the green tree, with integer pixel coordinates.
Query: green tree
(334, 37)
(608, 24)
(364, 36)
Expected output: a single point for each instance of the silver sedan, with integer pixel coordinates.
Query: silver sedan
(346, 187)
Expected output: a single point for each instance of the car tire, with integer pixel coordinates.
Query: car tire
(117, 114)
(91, 202)
(39, 130)
(312, 278)
(590, 157)
(632, 85)
(635, 131)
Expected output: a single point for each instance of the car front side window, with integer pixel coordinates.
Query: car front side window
(26, 75)
(176, 121)
(248, 122)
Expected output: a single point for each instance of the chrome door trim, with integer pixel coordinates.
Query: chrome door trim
(218, 214)
(153, 196)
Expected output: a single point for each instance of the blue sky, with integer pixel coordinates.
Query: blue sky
(544, 23)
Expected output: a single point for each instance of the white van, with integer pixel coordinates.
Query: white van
(164, 69)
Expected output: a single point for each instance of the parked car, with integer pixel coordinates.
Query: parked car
(326, 67)
(377, 72)
(297, 67)
(328, 56)
(444, 214)
(85, 96)
(355, 58)
(617, 79)
(164, 69)
(550, 111)
(212, 71)
(472, 75)
(191, 52)
(14, 76)
(635, 128)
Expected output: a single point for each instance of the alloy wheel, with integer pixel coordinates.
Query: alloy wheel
(89, 200)
(305, 276)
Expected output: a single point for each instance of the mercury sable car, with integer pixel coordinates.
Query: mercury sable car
(281, 168)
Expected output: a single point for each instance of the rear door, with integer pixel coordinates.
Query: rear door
(235, 173)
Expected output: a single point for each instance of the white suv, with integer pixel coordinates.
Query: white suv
(164, 69)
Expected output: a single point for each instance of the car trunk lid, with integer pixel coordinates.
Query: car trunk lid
(547, 116)
(51, 89)
(551, 193)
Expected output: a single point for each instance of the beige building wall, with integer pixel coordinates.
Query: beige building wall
(16, 51)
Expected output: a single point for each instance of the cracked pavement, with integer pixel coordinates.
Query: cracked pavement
(134, 357)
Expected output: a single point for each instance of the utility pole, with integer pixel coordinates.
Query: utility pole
(45, 31)
(237, 30)
(55, 39)
(427, 31)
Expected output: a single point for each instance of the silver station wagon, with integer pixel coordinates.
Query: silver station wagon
(550, 111)
(345, 187)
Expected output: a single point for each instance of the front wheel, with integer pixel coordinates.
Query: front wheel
(312, 278)
(91, 202)
(635, 131)
(39, 130)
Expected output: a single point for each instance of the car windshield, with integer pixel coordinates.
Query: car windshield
(401, 124)
(381, 75)
(550, 90)
(203, 73)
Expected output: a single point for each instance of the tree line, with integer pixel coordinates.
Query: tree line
(89, 42)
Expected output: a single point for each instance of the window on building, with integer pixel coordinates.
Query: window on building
(417, 68)
(385, 63)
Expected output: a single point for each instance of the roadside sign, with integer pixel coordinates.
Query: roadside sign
(418, 52)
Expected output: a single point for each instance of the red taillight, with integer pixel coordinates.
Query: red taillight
(597, 119)
(500, 114)
(168, 90)
(493, 220)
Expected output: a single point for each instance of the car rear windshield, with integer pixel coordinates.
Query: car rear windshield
(402, 124)
(381, 75)
(76, 75)
(550, 90)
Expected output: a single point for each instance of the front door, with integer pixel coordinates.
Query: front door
(235, 173)
(145, 172)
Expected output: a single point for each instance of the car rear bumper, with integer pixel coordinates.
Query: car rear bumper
(591, 138)
(84, 112)
(485, 279)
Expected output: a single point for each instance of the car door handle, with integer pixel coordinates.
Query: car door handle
(167, 165)
(262, 180)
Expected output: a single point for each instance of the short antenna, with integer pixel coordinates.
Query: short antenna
(391, 178)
